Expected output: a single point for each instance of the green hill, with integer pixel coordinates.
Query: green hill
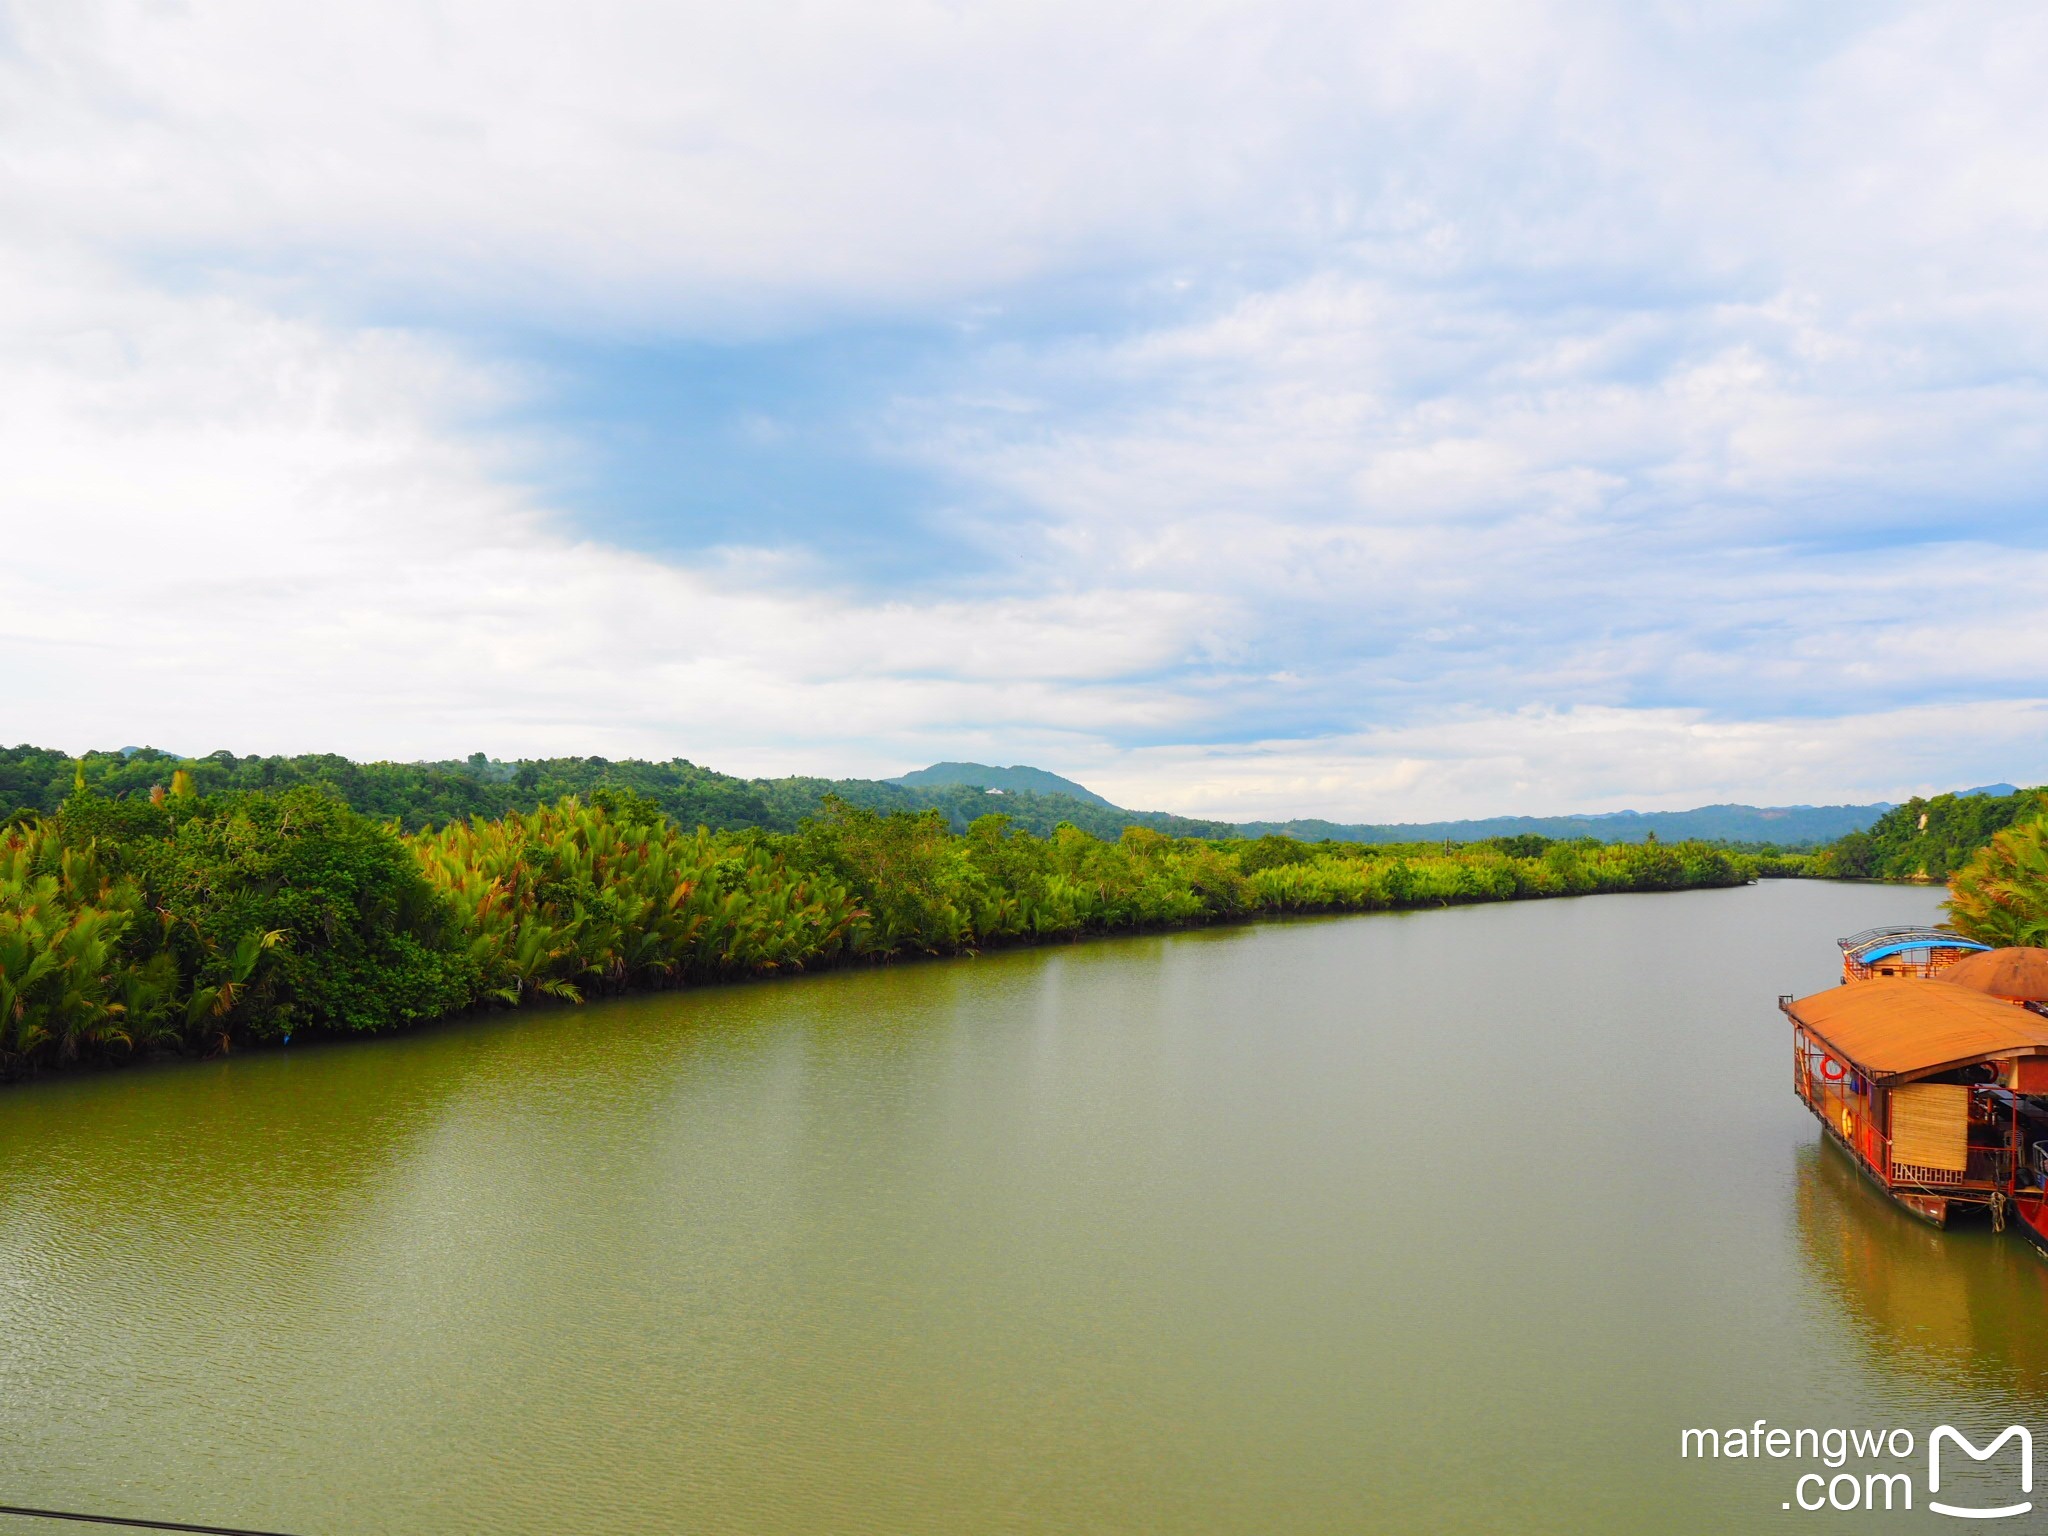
(1928, 839)
(431, 794)
(1020, 778)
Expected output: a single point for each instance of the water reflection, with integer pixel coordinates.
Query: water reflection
(1959, 1311)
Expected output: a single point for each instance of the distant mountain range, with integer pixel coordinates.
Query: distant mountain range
(1785, 825)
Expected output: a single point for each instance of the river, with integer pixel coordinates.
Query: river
(1434, 1222)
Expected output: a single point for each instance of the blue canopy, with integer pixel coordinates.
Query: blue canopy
(1918, 941)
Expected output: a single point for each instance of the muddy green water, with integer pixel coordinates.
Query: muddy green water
(1435, 1222)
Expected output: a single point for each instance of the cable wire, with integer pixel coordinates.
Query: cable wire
(136, 1525)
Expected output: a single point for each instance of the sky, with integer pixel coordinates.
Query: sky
(1377, 412)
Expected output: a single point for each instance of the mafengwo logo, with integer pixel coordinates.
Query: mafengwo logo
(1965, 1479)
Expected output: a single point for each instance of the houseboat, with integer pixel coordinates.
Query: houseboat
(1922, 1085)
(2019, 979)
(1937, 1089)
(1904, 952)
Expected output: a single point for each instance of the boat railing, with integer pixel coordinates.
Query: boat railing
(1983, 1168)
(1838, 1094)
(1845, 1105)
(1919, 964)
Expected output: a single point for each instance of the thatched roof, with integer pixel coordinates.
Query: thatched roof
(2018, 974)
(1893, 1029)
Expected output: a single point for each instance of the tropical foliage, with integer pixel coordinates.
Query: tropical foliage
(2000, 897)
(420, 795)
(576, 900)
(1926, 839)
(183, 920)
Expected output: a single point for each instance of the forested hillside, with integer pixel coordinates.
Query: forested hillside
(1927, 839)
(420, 795)
(1017, 777)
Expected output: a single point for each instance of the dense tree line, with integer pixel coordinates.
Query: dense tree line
(179, 919)
(1926, 839)
(421, 795)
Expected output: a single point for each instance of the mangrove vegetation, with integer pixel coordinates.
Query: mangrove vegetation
(174, 919)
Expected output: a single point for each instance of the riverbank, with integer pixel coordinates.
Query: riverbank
(195, 924)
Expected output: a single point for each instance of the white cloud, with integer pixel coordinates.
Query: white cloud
(1554, 762)
(1483, 405)
(682, 159)
(227, 528)
(1735, 526)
